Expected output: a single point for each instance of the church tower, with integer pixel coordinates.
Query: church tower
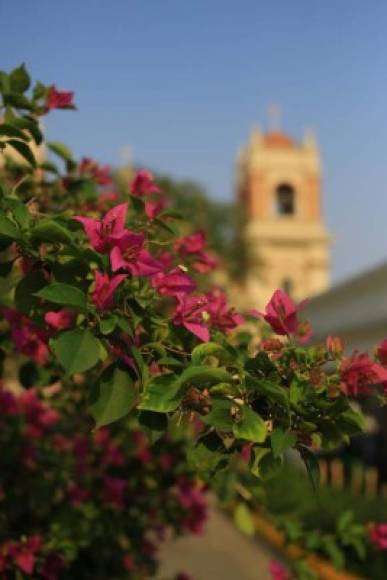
(279, 186)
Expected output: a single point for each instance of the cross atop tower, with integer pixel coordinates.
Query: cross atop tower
(274, 114)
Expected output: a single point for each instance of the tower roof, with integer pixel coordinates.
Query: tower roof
(278, 140)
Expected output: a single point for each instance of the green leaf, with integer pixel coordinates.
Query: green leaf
(19, 79)
(23, 149)
(19, 211)
(17, 100)
(61, 293)
(25, 299)
(330, 547)
(250, 426)
(204, 376)
(271, 390)
(220, 415)
(203, 350)
(165, 393)
(11, 131)
(32, 125)
(265, 465)
(51, 231)
(77, 350)
(281, 441)
(296, 392)
(244, 520)
(162, 394)
(9, 229)
(311, 464)
(61, 150)
(107, 325)
(113, 396)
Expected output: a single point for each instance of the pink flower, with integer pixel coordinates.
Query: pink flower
(100, 174)
(359, 373)
(142, 451)
(191, 499)
(104, 289)
(103, 234)
(8, 403)
(78, 495)
(281, 314)
(173, 283)
(154, 208)
(246, 452)
(129, 254)
(222, 316)
(205, 263)
(334, 345)
(191, 244)
(59, 99)
(114, 491)
(61, 319)
(378, 535)
(23, 554)
(193, 313)
(28, 338)
(143, 184)
(277, 571)
(194, 244)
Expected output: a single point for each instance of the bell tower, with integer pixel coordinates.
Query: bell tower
(279, 185)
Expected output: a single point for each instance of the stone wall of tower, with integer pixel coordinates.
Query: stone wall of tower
(292, 247)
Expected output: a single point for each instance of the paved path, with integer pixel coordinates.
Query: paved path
(222, 553)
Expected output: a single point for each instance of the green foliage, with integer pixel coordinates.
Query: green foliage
(113, 396)
(77, 350)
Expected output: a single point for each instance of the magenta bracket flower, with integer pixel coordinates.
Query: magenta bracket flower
(103, 234)
(129, 254)
(173, 283)
(143, 184)
(192, 313)
(281, 314)
(105, 287)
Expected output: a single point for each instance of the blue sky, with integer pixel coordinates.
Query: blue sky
(183, 82)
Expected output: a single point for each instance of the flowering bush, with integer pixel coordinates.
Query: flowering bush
(101, 289)
(80, 504)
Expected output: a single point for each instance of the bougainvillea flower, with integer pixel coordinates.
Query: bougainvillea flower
(114, 491)
(277, 571)
(191, 244)
(359, 373)
(281, 313)
(378, 535)
(23, 553)
(104, 289)
(101, 232)
(222, 316)
(191, 498)
(143, 184)
(59, 99)
(129, 254)
(334, 345)
(154, 208)
(173, 283)
(192, 313)
(205, 263)
(28, 338)
(101, 174)
(61, 319)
